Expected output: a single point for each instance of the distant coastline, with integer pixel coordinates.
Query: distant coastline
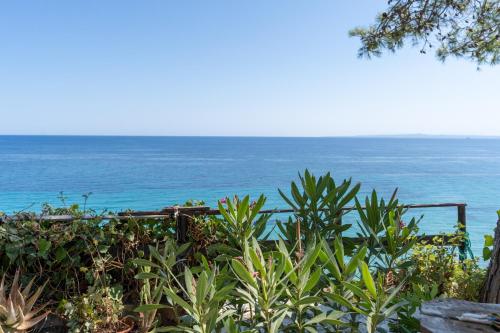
(430, 136)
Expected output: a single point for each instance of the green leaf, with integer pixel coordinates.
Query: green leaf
(149, 307)
(256, 261)
(308, 300)
(328, 258)
(313, 280)
(486, 253)
(357, 291)
(243, 273)
(144, 262)
(311, 256)
(339, 251)
(367, 278)
(332, 318)
(43, 246)
(339, 300)
(288, 201)
(488, 240)
(182, 248)
(61, 253)
(103, 248)
(351, 266)
(188, 281)
(177, 300)
(201, 287)
(279, 317)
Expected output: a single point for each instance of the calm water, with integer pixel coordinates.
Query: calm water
(153, 172)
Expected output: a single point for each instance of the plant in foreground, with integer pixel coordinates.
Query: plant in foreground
(405, 322)
(16, 309)
(303, 291)
(339, 270)
(375, 302)
(98, 310)
(262, 284)
(204, 302)
(154, 275)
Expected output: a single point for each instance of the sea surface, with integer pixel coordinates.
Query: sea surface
(153, 172)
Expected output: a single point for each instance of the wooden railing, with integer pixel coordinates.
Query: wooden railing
(182, 215)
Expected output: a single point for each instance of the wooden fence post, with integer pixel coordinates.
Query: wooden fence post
(180, 226)
(462, 227)
(183, 216)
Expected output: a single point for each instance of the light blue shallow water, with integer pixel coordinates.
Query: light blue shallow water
(153, 172)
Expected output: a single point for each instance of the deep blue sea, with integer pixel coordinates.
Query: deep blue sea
(154, 172)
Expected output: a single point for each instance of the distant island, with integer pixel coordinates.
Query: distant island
(430, 136)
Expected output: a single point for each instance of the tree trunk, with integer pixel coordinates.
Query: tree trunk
(490, 293)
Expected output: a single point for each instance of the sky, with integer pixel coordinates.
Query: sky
(225, 68)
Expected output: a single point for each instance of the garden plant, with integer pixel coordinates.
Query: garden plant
(239, 272)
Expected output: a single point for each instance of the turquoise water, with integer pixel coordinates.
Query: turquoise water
(153, 172)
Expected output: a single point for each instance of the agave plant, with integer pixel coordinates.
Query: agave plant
(16, 310)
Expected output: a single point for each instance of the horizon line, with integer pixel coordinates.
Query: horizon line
(395, 136)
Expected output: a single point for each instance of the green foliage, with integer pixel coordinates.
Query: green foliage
(84, 258)
(467, 280)
(461, 28)
(414, 295)
(437, 264)
(387, 237)
(203, 304)
(154, 275)
(338, 272)
(230, 278)
(376, 302)
(262, 286)
(98, 310)
(319, 205)
(487, 247)
(303, 287)
(242, 220)
(76, 253)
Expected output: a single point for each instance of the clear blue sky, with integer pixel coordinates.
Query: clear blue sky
(273, 68)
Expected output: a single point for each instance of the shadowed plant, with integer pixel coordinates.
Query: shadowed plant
(154, 276)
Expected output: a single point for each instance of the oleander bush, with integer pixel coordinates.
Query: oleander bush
(237, 273)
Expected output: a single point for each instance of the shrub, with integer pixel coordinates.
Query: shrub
(229, 277)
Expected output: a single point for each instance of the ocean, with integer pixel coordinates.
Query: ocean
(153, 172)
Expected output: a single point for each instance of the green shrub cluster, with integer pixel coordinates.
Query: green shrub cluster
(130, 274)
